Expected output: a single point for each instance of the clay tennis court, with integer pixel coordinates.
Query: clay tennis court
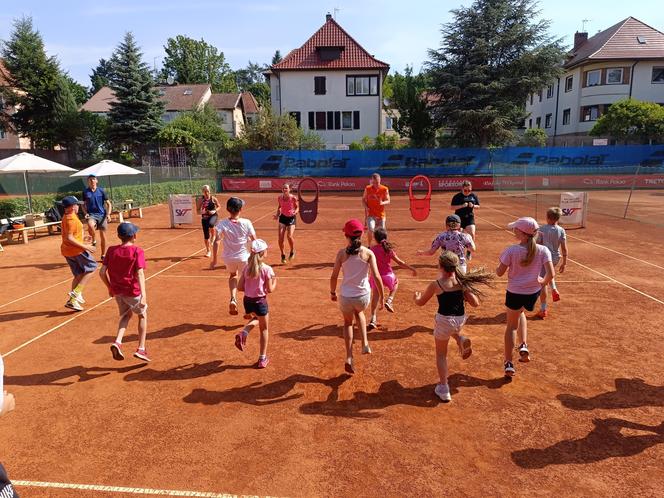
(585, 417)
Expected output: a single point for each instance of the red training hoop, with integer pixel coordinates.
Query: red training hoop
(308, 209)
(419, 207)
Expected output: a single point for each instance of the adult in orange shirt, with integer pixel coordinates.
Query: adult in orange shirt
(375, 198)
(78, 255)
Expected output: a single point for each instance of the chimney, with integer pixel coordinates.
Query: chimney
(579, 39)
(328, 17)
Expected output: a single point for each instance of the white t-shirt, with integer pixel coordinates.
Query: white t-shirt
(523, 279)
(235, 235)
(551, 236)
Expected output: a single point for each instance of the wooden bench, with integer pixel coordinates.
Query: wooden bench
(22, 233)
(128, 211)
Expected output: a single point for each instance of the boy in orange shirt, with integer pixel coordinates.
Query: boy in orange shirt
(77, 254)
(375, 198)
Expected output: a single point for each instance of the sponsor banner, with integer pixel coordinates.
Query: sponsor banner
(585, 182)
(181, 208)
(572, 205)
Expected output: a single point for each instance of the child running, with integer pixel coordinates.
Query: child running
(384, 252)
(123, 273)
(452, 289)
(553, 237)
(287, 215)
(452, 239)
(524, 284)
(356, 262)
(236, 232)
(256, 281)
(78, 255)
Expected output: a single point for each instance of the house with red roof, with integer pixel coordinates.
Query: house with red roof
(332, 86)
(623, 61)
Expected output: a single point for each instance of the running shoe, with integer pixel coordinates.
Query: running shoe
(76, 296)
(291, 256)
(141, 354)
(117, 351)
(208, 254)
(556, 295)
(232, 307)
(509, 369)
(348, 366)
(240, 341)
(524, 353)
(443, 392)
(366, 349)
(372, 325)
(73, 304)
(283, 259)
(263, 362)
(542, 314)
(94, 243)
(465, 347)
(388, 305)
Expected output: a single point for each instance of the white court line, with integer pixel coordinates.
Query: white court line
(590, 269)
(120, 489)
(640, 260)
(147, 249)
(88, 310)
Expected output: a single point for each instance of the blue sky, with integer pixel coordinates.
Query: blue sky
(397, 32)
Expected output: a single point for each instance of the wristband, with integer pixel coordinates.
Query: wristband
(333, 293)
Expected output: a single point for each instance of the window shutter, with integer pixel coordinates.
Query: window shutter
(312, 123)
(337, 120)
(330, 120)
(356, 120)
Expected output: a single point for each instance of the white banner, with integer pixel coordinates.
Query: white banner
(181, 208)
(573, 205)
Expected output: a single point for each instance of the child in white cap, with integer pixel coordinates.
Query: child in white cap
(256, 281)
(524, 284)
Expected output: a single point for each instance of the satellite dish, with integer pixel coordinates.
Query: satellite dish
(170, 80)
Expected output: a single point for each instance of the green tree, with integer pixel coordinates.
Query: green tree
(533, 137)
(251, 79)
(196, 61)
(493, 54)
(277, 58)
(99, 76)
(32, 84)
(78, 91)
(632, 120)
(135, 116)
(413, 117)
(193, 128)
(270, 132)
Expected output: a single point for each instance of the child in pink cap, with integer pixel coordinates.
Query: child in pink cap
(524, 284)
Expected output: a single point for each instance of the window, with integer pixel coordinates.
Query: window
(337, 120)
(296, 116)
(567, 113)
(356, 120)
(614, 76)
(658, 74)
(538, 122)
(547, 121)
(590, 113)
(539, 95)
(361, 85)
(319, 85)
(388, 123)
(330, 120)
(321, 119)
(593, 78)
(569, 83)
(641, 39)
(347, 120)
(549, 91)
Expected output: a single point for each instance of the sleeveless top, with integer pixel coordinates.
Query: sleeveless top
(287, 206)
(355, 281)
(207, 205)
(450, 303)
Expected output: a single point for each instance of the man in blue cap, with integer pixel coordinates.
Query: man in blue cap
(97, 208)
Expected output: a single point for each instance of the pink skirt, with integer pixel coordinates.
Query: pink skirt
(390, 281)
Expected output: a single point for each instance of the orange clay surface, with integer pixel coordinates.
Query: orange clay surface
(584, 418)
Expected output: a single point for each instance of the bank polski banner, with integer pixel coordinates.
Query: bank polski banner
(181, 208)
(573, 205)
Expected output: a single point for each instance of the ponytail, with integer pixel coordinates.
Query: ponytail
(354, 245)
(532, 250)
(380, 234)
(254, 264)
(449, 262)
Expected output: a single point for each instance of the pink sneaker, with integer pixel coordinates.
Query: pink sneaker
(142, 354)
(263, 362)
(556, 295)
(232, 307)
(116, 350)
(240, 341)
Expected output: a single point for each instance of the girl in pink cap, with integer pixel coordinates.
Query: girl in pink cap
(524, 284)
(356, 262)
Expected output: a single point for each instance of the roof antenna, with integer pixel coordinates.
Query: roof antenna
(583, 24)
(336, 10)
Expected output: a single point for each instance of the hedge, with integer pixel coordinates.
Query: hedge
(140, 194)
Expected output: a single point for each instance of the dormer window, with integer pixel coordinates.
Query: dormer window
(641, 39)
(329, 53)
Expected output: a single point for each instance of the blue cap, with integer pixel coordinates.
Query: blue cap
(92, 175)
(70, 200)
(127, 230)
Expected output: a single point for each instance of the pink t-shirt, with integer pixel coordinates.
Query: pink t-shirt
(287, 206)
(383, 259)
(523, 279)
(257, 286)
(123, 262)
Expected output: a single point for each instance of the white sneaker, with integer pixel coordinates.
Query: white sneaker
(73, 304)
(366, 349)
(443, 392)
(78, 297)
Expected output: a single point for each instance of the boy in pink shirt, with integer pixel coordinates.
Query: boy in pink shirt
(123, 274)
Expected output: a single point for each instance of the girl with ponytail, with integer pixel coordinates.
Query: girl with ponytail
(453, 289)
(384, 252)
(524, 260)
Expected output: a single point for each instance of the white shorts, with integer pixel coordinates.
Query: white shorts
(447, 326)
(355, 304)
(235, 265)
(373, 223)
(131, 304)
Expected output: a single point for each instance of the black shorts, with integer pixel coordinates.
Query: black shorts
(287, 220)
(208, 223)
(517, 301)
(467, 220)
(255, 305)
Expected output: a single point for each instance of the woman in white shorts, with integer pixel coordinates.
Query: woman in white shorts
(356, 261)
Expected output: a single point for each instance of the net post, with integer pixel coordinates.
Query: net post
(631, 190)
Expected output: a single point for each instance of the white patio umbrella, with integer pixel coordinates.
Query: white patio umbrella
(108, 168)
(29, 163)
